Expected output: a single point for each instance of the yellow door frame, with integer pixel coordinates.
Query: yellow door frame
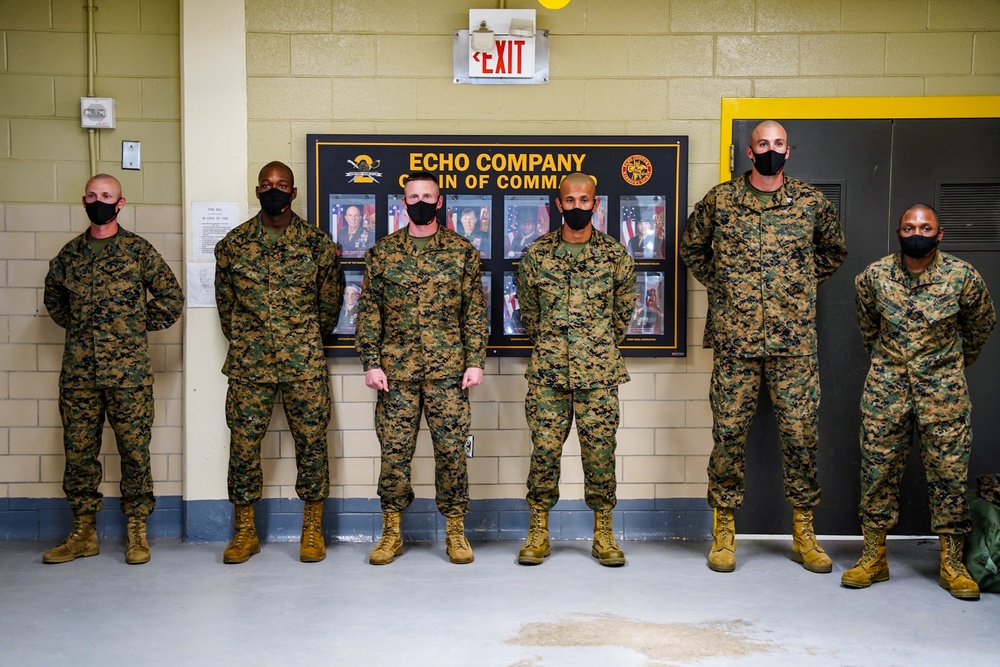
(847, 108)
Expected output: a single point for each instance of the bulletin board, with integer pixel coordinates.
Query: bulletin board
(500, 194)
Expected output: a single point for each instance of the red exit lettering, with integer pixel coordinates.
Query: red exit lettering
(508, 58)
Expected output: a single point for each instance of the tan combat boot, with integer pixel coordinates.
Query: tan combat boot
(605, 549)
(245, 542)
(872, 567)
(391, 543)
(81, 541)
(722, 557)
(312, 548)
(459, 550)
(805, 548)
(954, 577)
(536, 546)
(136, 546)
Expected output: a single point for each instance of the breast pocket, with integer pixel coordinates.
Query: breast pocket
(299, 270)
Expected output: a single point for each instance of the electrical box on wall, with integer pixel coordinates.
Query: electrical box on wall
(97, 113)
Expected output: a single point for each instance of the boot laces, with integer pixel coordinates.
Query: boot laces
(807, 525)
(723, 527)
(953, 549)
(135, 531)
(242, 534)
(536, 532)
(385, 542)
(79, 526)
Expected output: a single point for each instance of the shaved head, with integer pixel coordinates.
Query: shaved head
(290, 177)
(105, 180)
(577, 179)
(924, 208)
(767, 128)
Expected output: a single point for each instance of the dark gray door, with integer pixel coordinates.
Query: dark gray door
(859, 165)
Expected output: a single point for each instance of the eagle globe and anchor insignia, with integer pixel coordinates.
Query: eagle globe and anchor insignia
(637, 170)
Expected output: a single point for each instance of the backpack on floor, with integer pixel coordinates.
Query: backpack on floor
(982, 547)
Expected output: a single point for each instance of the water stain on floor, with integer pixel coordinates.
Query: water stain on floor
(661, 643)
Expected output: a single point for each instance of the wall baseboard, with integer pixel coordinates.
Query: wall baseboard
(360, 520)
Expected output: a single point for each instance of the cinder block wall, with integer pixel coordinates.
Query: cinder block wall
(618, 68)
(351, 66)
(44, 165)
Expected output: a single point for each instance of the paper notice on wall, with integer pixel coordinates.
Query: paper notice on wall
(200, 286)
(211, 221)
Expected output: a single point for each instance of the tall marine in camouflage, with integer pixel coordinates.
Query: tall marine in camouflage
(279, 287)
(97, 289)
(576, 289)
(421, 335)
(924, 317)
(761, 244)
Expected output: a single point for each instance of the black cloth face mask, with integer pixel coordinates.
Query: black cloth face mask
(768, 163)
(577, 218)
(275, 201)
(101, 213)
(917, 246)
(422, 212)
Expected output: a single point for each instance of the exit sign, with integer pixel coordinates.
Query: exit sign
(513, 56)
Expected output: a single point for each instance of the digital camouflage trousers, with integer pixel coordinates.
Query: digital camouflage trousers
(130, 412)
(793, 383)
(445, 406)
(248, 414)
(550, 413)
(944, 450)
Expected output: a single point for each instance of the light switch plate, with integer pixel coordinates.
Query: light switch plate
(130, 155)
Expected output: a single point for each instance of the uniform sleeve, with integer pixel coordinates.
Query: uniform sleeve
(368, 325)
(56, 295)
(868, 316)
(168, 299)
(527, 296)
(329, 285)
(976, 316)
(828, 241)
(624, 296)
(225, 295)
(474, 312)
(696, 244)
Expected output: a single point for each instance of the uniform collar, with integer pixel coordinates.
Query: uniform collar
(779, 199)
(290, 235)
(930, 275)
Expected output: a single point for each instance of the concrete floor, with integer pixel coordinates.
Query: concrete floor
(664, 608)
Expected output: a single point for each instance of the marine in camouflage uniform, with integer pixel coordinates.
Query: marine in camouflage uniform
(279, 292)
(421, 335)
(96, 289)
(922, 328)
(761, 244)
(576, 309)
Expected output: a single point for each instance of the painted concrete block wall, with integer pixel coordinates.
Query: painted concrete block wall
(352, 66)
(44, 165)
(637, 68)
